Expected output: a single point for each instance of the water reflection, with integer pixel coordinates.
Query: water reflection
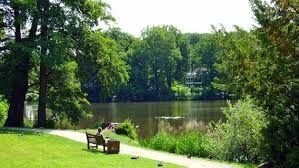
(144, 114)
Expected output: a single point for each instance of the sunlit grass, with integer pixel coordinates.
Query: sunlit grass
(42, 150)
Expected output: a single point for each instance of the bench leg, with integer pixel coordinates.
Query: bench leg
(104, 148)
(88, 145)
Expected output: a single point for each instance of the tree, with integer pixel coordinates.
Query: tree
(264, 64)
(204, 55)
(19, 21)
(163, 55)
(237, 61)
(124, 40)
(183, 65)
(100, 57)
(84, 14)
(50, 42)
(279, 34)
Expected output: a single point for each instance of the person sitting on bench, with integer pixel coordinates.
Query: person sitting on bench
(97, 139)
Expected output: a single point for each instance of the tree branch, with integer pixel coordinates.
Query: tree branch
(293, 7)
(4, 48)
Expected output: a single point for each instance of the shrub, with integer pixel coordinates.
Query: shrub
(239, 138)
(51, 123)
(161, 141)
(181, 92)
(28, 123)
(293, 158)
(127, 128)
(3, 111)
(191, 142)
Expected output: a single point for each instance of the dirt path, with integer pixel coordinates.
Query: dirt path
(145, 153)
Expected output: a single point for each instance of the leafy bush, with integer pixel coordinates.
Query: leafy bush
(3, 111)
(239, 138)
(28, 123)
(127, 128)
(50, 123)
(293, 158)
(181, 92)
(161, 141)
(191, 142)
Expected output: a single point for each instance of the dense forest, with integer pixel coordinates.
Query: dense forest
(159, 63)
(55, 54)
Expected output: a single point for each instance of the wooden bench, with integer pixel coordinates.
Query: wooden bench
(95, 140)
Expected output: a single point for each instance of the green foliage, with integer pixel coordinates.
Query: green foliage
(65, 97)
(51, 42)
(127, 128)
(50, 123)
(124, 40)
(237, 62)
(187, 143)
(3, 110)
(161, 141)
(193, 143)
(181, 92)
(240, 137)
(154, 61)
(263, 63)
(100, 58)
(292, 158)
(28, 123)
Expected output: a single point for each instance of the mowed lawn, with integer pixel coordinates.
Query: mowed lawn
(42, 150)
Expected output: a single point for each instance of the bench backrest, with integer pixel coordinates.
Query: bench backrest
(99, 138)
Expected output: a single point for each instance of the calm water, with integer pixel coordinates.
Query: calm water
(145, 114)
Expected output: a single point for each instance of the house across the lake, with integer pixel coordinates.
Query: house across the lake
(195, 78)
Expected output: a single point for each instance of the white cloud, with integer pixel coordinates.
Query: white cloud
(187, 15)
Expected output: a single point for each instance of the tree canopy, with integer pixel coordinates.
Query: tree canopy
(263, 63)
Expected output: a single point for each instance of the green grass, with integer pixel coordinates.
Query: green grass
(43, 150)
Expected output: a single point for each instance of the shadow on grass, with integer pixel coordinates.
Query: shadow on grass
(94, 151)
(20, 132)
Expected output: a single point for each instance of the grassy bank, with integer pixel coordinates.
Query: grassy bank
(42, 150)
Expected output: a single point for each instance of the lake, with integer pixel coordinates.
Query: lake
(148, 114)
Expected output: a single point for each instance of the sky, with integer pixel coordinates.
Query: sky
(133, 16)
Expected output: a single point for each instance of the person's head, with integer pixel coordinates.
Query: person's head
(99, 130)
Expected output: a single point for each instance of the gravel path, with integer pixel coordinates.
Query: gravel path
(145, 153)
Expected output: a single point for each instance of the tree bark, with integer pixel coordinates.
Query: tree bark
(19, 88)
(43, 78)
(42, 102)
(17, 99)
(20, 81)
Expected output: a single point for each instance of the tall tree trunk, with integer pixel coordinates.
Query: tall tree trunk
(42, 102)
(43, 78)
(20, 83)
(16, 102)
